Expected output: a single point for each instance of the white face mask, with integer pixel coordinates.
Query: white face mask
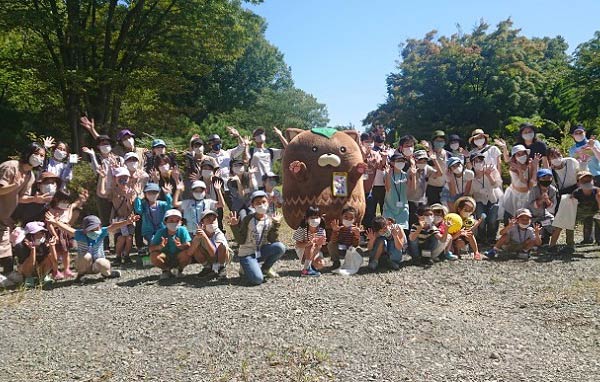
(408, 151)
(314, 222)
(40, 241)
(428, 220)
(60, 154)
(159, 150)
(105, 149)
(132, 166)
(260, 138)
(199, 195)
(399, 166)
(262, 208)
(557, 162)
(522, 159)
(458, 170)
(49, 188)
(478, 166)
(479, 142)
(421, 166)
(528, 136)
(579, 137)
(237, 170)
(523, 226)
(63, 206)
(207, 173)
(128, 143)
(172, 226)
(199, 150)
(211, 228)
(347, 223)
(454, 146)
(36, 160)
(164, 168)
(437, 219)
(152, 197)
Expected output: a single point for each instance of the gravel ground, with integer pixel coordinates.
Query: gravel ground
(460, 321)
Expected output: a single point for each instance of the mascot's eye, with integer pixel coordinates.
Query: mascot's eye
(315, 149)
(342, 149)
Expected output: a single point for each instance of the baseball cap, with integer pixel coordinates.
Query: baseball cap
(34, 227)
(197, 184)
(152, 187)
(91, 222)
(123, 133)
(206, 213)
(158, 142)
(172, 212)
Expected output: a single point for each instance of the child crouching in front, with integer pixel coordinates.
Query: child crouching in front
(518, 237)
(310, 237)
(343, 237)
(425, 237)
(385, 241)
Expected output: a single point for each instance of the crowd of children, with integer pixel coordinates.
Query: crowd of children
(441, 199)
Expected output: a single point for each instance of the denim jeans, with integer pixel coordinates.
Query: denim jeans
(488, 229)
(389, 249)
(270, 253)
(415, 249)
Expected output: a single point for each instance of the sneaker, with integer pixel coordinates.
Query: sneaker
(310, 272)
(270, 274)
(179, 273)
(222, 273)
(597, 216)
(567, 250)
(30, 282)
(127, 260)
(586, 241)
(114, 274)
(523, 255)
(241, 271)
(450, 256)
(58, 276)
(47, 280)
(491, 254)
(206, 271)
(166, 274)
(336, 265)
(373, 264)
(552, 250)
(69, 274)
(426, 261)
(390, 264)
(117, 261)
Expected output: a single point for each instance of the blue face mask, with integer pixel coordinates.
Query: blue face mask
(439, 144)
(94, 234)
(216, 147)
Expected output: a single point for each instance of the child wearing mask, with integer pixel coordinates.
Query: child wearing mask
(542, 202)
(152, 210)
(214, 186)
(241, 184)
(60, 165)
(386, 240)
(258, 236)
(343, 237)
(210, 247)
(518, 237)
(310, 237)
(90, 244)
(480, 145)
(270, 181)
(458, 182)
(439, 156)
(194, 208)
(36, 254)
(425, 237)
(522, 178)
(417, 195)
(439, 213)
(170, 246)
(486, 189)
(465, 207)
(262, 157)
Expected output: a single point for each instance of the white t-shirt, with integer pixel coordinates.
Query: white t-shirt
(440, 181)
(380, 174)
(567, 175)
(257, 231)
(223, 158)
(461, 182)
(492, 153)
(261, 159)
(484, 190)
(418, 194)
(192, 210)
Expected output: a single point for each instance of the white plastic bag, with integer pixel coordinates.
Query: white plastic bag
(352, 263)
(567, 213)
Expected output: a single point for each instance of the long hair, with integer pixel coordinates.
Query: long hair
(312, 211)
(29, 150)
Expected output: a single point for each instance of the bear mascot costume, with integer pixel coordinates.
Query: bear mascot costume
(322, 167)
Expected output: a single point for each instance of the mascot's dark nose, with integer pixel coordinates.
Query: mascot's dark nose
(329, 160)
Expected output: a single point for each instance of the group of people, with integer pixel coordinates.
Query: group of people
(438, 199)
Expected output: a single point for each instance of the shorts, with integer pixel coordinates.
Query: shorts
(300, 254)
(126, 231)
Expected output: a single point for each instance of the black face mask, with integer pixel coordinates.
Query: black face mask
(545, 183)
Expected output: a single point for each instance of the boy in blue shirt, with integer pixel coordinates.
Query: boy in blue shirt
(170, 246)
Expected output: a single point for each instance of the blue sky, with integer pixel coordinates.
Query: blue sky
(342, 50)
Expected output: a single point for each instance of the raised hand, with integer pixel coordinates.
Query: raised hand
(154, 175)
(512, 222)
(87, 150)
(194, 176)
(177, 242)
(276, 130)
(276, 218)
(488, 169)
(164, 241)
(87, 123)
(48, 142)
(44, 198)
(133, 218)
(422, 222)
(396, 230)
(253, 170)
(167, 189)
(537, 157)
(101, 173)
(500, 143)
(537, 228)
(28, 243)
(335, 225)
(52, 241)
(176, 174)
(233, 131)
(233, 218)
(83, 196)
(362, 168)
(200, 231)
(218, 183)
(371, 235)
(50, 218)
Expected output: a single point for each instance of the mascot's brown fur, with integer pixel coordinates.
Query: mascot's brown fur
(309, 161)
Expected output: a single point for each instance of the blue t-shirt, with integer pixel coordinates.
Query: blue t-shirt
(593, 164)
(85, 244)
(171, 249)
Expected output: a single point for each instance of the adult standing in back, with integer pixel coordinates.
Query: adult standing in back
(261, 156)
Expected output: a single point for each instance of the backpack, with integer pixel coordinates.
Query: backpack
(271, 153)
